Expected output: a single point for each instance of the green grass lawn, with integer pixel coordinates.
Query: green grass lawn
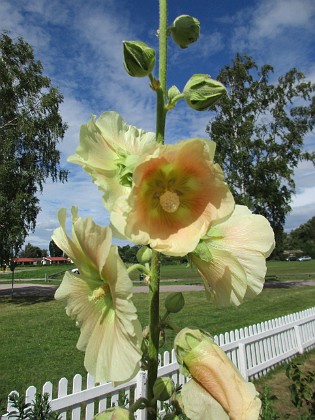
(38, 340)
(284, 270)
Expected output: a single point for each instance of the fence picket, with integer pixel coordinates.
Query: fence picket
(254, 349)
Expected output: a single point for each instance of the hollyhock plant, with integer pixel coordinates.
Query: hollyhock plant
(109, 150)
(177, 193)
(231, 258)
(99, 299)
(210, 367)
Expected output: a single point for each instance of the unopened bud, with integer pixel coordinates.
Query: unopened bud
(185, 30)
(139, 58)
(174, 302)
(163, 388)
(201, 92)
(144, 255)
(115, 413)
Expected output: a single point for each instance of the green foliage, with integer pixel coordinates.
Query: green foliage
(302, 238)
(302, 388)
(30, 129)
(260, 136)
(31, 251)
(39, 410)
(267, 410)
(54, 250)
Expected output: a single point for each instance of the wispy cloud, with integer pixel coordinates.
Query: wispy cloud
(80, 46)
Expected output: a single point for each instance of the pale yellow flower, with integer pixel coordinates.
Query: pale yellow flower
(210, 367)
(99, 299)
(177, 193)
(232, 257)
(109, 150)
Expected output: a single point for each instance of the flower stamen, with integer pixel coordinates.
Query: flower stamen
(169, 201)
(100, 293)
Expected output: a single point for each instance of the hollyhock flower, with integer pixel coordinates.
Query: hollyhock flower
(99, 299)
(109, 150)
(178, 192)
(231, 258)
(210, 367)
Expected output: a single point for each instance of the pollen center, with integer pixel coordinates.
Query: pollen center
(100, 293)
(169, 201)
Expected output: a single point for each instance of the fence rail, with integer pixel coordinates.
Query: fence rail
(254, 350)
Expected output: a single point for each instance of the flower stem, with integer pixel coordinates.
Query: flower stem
(153, 347)
(154, 295)
(161, 91)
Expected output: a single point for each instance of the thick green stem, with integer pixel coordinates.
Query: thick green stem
(154, 295)
(153, 348)
(161, 91)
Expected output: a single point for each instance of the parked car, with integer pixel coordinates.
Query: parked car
(304, 258)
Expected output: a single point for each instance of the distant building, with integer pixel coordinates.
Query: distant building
(55, 260)
(43, 261)
(26, 261)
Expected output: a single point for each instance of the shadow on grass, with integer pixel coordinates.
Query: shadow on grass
(28, 295)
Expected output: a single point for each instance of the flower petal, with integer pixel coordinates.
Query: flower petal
(177, 193)
(99, 299)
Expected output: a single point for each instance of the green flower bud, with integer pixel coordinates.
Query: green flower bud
(185, 341)
(173, 95)
(115, 413)
(163, 389)
(144, 255)
(185, 30)
(174, 302)
(139, 58)
(200, 92)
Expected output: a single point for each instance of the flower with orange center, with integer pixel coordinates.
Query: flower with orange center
(177, 193)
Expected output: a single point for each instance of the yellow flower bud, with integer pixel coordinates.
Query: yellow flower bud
(210, 367)
(139, 58)
(185, 30)
(200, 92)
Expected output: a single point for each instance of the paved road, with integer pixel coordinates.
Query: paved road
(28, 289)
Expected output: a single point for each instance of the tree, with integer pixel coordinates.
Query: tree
(31, 251)
(259, 136)
(302, 238)
(54, 250)
(30, 129)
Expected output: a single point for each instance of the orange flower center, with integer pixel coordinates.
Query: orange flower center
(169, 201)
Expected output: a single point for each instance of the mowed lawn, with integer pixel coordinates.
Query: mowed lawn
(38, 340)
(284, 270)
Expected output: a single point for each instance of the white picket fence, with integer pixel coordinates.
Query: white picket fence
(254, 350)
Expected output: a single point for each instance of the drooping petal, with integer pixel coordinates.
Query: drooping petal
(239, 246)
(99, 299)
(224, 278)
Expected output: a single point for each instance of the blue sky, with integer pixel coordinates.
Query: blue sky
(80, 46)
